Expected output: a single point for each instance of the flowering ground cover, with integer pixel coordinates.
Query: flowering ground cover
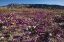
(31, 26)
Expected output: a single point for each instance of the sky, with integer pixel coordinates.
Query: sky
(57, 2)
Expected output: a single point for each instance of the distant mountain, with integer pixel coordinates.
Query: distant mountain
(33, 6)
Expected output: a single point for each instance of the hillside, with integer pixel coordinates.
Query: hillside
(33, 6)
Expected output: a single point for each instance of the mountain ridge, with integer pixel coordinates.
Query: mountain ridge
(12, 5)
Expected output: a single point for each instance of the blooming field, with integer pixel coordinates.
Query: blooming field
(31, 26)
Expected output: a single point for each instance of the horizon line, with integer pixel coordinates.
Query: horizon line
(31, 3)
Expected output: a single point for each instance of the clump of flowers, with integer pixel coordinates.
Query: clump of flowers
(31, 26)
